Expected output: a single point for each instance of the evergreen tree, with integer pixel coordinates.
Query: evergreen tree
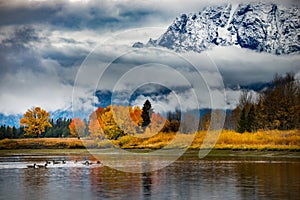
(59, 128)
(2, 131)
(65, 132)
(242, 123)
(251, 120)
(15, 132)
(9, 132)
(21, 132)
(146, 113)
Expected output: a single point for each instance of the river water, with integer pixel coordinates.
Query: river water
(218, 177)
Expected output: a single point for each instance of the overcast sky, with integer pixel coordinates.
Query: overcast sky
(51, 51)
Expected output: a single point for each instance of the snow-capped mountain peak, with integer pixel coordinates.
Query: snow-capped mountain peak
(261, 27)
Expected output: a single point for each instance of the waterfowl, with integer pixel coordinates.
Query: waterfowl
(32, 166)
(55, 162)
(87, 163)
(63, 162)
(42, 166)
(48, 162)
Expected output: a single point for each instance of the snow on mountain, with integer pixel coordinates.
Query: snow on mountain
(10, 120)
(258, 26)
(14, 119)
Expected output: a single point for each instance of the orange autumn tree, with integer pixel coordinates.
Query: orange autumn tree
(157, 123)
(136, 115)
(115, 121)
(94, 126)
(35, 120)
(77, 127)
(126, 119)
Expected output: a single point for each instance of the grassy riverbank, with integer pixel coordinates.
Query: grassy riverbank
(263, 140)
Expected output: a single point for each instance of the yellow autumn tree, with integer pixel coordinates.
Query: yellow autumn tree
(95, 129)
(108, 124)
(157, 123)
(77, 127)
(127, 120)
(35, 120)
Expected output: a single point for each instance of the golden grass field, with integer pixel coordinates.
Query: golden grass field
(261, 140)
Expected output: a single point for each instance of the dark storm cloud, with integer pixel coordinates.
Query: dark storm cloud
(102, 15)
(22, 35)
(19, 51)
(14, 50)
(21, 14)
(66, 60)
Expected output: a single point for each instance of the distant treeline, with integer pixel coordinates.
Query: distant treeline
(60, 128)
(276, 107)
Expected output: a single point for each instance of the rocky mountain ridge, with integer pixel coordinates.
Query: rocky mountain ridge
(261, 27)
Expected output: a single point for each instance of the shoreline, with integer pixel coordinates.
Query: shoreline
(214, 153)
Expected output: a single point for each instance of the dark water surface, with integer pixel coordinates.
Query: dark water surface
(189, 177)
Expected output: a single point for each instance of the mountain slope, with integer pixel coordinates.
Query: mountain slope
(261, 27)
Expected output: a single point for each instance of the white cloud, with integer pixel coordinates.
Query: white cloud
(243, 66)
(174, 101)
(237, 66)
(27, 89)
